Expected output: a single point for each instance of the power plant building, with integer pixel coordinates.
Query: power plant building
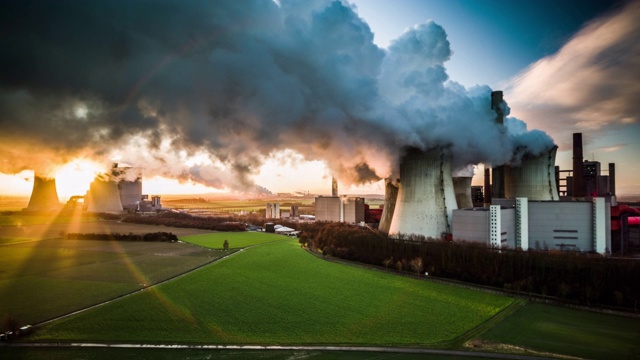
(544, 225)
(340, 209)
(44, 196)
(272, 211)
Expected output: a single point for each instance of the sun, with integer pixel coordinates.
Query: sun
(75, 177)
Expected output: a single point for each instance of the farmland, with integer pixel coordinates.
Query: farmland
(237, 240)
(278, 294)
(43, 276)
(569, 331)
(271, 293)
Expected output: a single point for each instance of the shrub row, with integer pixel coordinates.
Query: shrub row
(150, 237)
(181, 220)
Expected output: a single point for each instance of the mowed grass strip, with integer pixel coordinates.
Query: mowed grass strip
(278, 294)
(571, 332)
(237, 240)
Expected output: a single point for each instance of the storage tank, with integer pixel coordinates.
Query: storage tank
(534, 179)
(44, 196)
(103, 196)
(462, 189)
(390, 198)
(426, 198)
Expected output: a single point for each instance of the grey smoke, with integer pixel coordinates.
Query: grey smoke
(161, 80)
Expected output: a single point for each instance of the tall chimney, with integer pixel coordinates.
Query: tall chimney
(578, 169)
(334, 187)
(612, 179)
(497, 173)
(487, 186)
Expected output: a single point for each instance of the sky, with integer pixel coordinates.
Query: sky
(261, 96)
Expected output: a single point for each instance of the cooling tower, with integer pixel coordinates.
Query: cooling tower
(390, 197)
(103, 196)
(130, 193)
(44, 196)
(534, 179)
(462, 188)
(426, 198)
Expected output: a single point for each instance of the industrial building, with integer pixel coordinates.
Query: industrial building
(525, 205)
(272, 211)
(110, 193)
(340, 209)
(44, 196)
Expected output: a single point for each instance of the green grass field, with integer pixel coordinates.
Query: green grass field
(568, 331)
(46, 278)
(237, 240)
(278, 294)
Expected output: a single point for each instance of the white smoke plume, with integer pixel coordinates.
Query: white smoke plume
(162, 81)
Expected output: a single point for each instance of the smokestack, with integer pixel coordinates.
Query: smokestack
(462, 189)
(44, 196)
(612, 179)
(103, 196)
(497, 173)
(426, 198)
(534, 179)
(390, 198)
(487, 186)
(497, 185)
(334, 187)
(578, 169)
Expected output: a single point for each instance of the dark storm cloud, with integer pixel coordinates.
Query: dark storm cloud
(158, 81)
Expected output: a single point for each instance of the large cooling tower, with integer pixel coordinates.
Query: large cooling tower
(426, 198)
(130, 193)
(44, 196)
(103, 196)
(535, 178)
(462, 188)
(390, 198)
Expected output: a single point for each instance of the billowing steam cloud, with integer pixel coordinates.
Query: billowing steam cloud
(160, 82)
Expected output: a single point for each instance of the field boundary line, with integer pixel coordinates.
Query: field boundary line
(119, 297)
(383, 349)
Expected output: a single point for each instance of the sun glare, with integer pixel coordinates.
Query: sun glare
(74, 178)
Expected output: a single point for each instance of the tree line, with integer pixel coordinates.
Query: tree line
(181, 220)
(569, 277)
(149, 237)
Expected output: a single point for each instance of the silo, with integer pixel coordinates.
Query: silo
(44, 196)
(390, 198)
(534, 179)
(426, 198)
(103, 196)
(462, 188)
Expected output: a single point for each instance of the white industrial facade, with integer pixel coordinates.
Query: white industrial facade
(574, 225)
(340, 209)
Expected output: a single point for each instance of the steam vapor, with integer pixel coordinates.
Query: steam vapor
(159, 82)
